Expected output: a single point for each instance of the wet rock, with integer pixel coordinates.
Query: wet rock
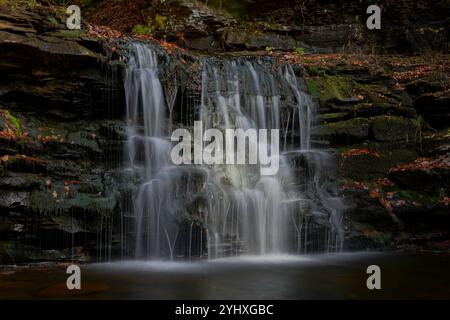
(344, 132)
(63, 168)
(361, 236)
(16, 180)
(249, 40)
(422, 178)
(14, 252)
(46, 68)
(334, 117)
(430, 213)
(435, 107)
(420, 87)
(383, 108)
(13, 199)
(362, 208)
(208, 43)
(57, 201)
(375, 164)
(191, 24)
(388, 128)
(113, 130)
(341, 24)
(91, 184)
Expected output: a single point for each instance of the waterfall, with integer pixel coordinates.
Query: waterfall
(222, 210)
(147, 152)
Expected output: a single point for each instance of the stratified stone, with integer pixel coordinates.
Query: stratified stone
(344, 132)
(389, 128)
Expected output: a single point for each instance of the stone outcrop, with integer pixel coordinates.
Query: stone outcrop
(62, 128)
(314, 25)
(391, 136)
(58, 137)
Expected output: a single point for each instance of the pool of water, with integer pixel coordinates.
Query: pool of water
(334, 276)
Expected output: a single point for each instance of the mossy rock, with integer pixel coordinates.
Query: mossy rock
(82, 138)
(363, 235)
(17, 252)
(388, 128)
(370, 167)
(422, 179)
(334, 117)
(96, 204)
(55, 202)
(327, 88)
(344, 132)
(17, 180)
(91, 184)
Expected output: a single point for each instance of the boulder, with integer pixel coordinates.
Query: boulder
(435, 107)
(48, 69)
(250, 40)
(16, 252)
(344, 132)
(417, 178)
(17, 180)
(389, 128)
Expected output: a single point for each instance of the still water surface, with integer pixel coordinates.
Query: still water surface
(334, 276)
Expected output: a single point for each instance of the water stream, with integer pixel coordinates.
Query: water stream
(215, 210)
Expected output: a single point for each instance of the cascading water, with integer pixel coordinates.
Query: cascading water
(221, 210)
(258, 214)
(147, 153)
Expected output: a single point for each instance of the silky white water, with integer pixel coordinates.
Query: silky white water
(222, 210)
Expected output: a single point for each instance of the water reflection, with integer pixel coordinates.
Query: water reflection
(332, 276)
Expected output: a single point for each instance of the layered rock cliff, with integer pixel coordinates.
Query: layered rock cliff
(408, 26)
(59, 98)
(385, 118)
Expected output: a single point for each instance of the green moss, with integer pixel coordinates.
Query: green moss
(42, 201)
(393, 129)
(418, 196)
(142, 29)
(153, 26)
(315, 71)
(335, 116)
(88, 202)
(91, 187)
(53, 21)
(326, 87)
(312, 88)
(81, 138)
(45, 202)
(356, 128)
(299, 50)
(236, 7)
(269, 49)
(31, 4)
(381, 237)
(14, 121)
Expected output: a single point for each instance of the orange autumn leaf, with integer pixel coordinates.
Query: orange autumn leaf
(445, 201)
(374, 194)
(359, 152)
(384, 182)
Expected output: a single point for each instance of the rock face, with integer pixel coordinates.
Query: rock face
(323, 25)
(314, 25)
(58, 69)
(58, 138)
(435, 107)
(62, 128)
(389, 131)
